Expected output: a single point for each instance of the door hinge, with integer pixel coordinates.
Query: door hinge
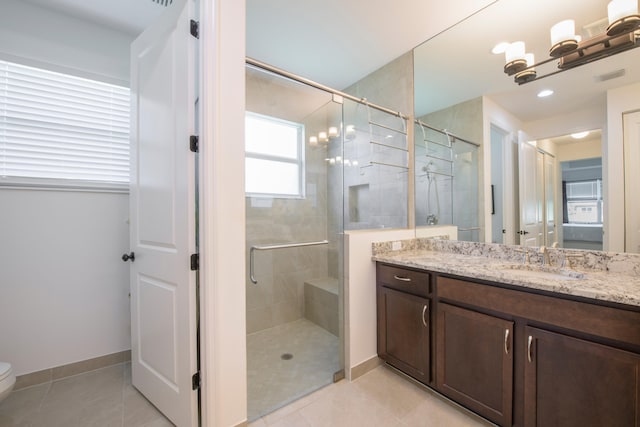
(194, 143)
(195, 29)
(195, 381)
(195, 262)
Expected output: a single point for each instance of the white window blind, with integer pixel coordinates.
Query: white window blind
(62, 130)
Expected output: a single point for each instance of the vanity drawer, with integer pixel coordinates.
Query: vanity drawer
(405, 280)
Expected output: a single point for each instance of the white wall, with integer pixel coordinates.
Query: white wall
(35, 36)
(576, 121)
(63, 287)
(222, 259)
(495, 115)
(619, 101)
(360, 293)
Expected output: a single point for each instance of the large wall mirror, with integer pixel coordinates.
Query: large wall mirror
(536, 184)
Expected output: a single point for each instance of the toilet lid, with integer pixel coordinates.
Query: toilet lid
(5, 370)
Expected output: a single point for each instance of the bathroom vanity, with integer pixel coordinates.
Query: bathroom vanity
(520, 344)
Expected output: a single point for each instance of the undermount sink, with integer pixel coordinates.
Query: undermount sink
(541, 272)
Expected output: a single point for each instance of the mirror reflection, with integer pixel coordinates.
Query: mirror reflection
(536, 184)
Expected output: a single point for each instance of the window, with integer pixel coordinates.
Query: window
(274, 156)
(58, 130)
(583, 202)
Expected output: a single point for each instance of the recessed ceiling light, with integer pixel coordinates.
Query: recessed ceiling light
(500, 48)
(579, 135)
(545, 93)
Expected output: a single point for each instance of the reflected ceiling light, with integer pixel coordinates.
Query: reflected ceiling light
(622, 34)
(500, 48)
(580, 135)
(313, 141)
(333, 132)
(544, 93)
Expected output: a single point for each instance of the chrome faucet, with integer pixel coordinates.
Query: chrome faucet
(546, 260)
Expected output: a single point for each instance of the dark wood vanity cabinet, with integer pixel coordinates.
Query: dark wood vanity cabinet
(572, 382)
(404, 313)
(475, 361)
(516, 357)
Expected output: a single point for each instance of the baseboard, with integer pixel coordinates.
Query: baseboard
(364, 367)
(52, 374)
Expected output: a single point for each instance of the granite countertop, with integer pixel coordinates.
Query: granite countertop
(603, 285)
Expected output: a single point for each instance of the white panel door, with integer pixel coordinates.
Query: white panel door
(530, 220)
(549, 199)
(631, 123)
(162, 199)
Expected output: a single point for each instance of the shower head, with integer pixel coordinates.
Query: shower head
(429, 167)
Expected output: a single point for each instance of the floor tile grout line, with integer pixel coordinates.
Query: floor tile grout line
(123, 391)
(44, 397)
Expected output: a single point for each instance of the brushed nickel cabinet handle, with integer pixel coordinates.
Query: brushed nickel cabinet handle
(403, 279)
(424, 310)
(506, 341)
(529, 341)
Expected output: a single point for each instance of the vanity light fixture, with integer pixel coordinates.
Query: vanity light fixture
(622, 34)
(323, 138)
(529, 73)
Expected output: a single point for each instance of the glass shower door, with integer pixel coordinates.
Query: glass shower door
(294, 240)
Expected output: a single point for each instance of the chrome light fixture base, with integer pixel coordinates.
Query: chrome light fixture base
(563, 47)
(525, 76)
(624, 25)
(515, 66)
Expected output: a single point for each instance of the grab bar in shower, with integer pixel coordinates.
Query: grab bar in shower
(279, 246)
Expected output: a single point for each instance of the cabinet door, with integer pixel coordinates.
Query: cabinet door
(475, 361)
(572, 382)
(403, 332)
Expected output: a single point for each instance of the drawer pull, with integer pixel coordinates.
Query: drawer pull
(529, 341)
(506, 341)
(403, 279)
(424, 310)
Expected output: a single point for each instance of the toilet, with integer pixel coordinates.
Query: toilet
(7, 380)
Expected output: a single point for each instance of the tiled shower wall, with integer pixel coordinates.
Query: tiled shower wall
(462, 209)
(375, 196)
(278, 297)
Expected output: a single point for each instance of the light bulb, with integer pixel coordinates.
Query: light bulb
(563, 31)
(514, 52)
(618, 9)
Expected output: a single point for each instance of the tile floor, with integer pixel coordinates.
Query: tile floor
(100, 398)
(105, 397)
(273, 382)
(381, 397)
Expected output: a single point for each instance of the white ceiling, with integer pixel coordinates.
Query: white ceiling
(458, 65)
(333, 42)
(337, 42)
(128, 16)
